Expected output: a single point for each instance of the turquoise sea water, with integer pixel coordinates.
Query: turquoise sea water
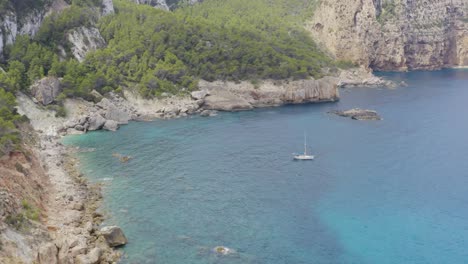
(390, 191)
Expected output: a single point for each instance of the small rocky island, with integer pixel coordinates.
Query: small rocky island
(358, 114)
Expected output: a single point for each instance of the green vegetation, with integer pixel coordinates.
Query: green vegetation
(9, 136)
(20, 221)
(17, 221)
(30, 211)
(228, 40)
(345, 64)
(167, 52)
(388, 11)
(159, 52)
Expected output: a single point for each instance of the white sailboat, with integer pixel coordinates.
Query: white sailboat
(304, 156)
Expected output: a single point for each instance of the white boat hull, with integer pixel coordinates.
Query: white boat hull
(303, 157)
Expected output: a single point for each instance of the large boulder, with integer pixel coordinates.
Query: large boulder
(111, 125)
(118, 115)
(92, 257)
(114, 236)
(96, 122)
(197, 95)
(104, 103)
(96, 96)
(46, 90)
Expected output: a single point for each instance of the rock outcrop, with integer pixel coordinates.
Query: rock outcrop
(358, 114)
(46, 90)
(164, 4)
(394, 35)
(114, 236)
(84, 40)
(230, 96)
(107, 7)
(363, 77)
(12, 25)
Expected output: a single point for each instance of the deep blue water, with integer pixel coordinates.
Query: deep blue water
(391, 191)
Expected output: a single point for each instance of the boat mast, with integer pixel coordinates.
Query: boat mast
(305, 144)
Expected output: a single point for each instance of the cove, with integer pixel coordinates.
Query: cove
(389, 191)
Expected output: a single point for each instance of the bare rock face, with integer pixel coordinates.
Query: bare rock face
(394, 35)
(164, 4)
(84, 40)
(229, 96)
(226, 101)
(107, 7)
(117, 115)
(46, 90)
(199, 95)
(8, 204)
(114, 236)
(154, 3)
(92, 257)
(47, 254)
(362, 77)
(12, 25)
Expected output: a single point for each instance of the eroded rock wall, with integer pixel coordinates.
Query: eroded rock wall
(164, 4)
(394, 34)
(82, 39)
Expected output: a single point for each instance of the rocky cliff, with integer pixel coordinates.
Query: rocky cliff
(394, 34)
(229, 96)
(15, 22)
(164, 4)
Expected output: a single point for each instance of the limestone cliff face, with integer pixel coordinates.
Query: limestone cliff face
(82, 39)
(155, 3)
(164, 4)
(394, 34)
(230, 96)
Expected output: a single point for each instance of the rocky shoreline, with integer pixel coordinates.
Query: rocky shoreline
(72, 218)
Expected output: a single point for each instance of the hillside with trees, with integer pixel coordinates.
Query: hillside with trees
(157, 51)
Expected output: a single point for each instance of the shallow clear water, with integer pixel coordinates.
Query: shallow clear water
(390, 191)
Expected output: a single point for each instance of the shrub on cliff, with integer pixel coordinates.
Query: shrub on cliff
(9, 135)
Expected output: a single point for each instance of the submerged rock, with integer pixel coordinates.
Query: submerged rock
(114, 236)
(209, 113)
(223, 250)
(358, 114)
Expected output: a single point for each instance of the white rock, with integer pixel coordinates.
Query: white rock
(111, 125)
(197, 95)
